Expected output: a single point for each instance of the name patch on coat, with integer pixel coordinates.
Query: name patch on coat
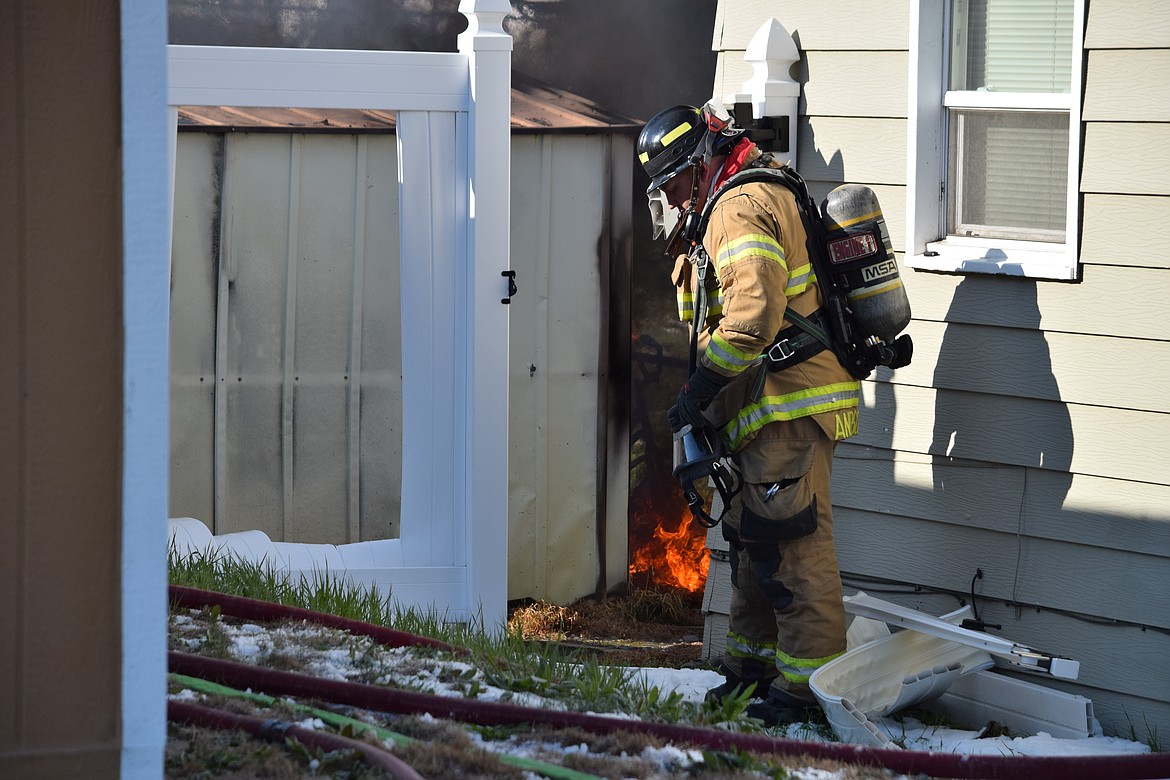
(846, 424)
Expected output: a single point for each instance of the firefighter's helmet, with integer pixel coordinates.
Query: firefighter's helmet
(669, 143)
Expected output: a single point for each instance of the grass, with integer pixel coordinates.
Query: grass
(227, 574)
(510, 659)
(1151, 739)
(530, 656)
(519, 658)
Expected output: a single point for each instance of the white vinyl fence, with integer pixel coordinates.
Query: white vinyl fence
(453, 162)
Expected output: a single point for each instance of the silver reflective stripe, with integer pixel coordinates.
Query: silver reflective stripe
(752, 244)
(719, 352)
(798, 282)
(742, 647)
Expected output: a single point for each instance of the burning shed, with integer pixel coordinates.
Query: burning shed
(287, 346)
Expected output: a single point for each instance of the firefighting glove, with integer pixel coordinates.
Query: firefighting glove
(694, 397)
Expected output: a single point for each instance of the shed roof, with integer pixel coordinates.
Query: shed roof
(536, 108)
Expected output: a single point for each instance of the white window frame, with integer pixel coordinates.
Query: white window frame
(928, 247)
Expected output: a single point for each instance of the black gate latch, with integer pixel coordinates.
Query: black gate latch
(511, 275)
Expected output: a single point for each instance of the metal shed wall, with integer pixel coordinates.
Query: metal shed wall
(287, 349)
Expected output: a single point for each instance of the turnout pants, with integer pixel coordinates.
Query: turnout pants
(786, 617)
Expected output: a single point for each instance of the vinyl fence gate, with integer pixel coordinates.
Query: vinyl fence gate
(453, 114)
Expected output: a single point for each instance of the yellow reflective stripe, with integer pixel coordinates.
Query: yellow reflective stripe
(742, 647)
(799, 279)
(869, 292)
(686, 304)
(644, 157)
(726, 355)
(798, 670)
(675, 133)
(855, 220)
(714, 301)
(752, 244)
(770, 408)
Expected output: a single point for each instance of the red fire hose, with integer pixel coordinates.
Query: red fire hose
(1148, 766)
(488, 713)
(254, 609)
(276, 731)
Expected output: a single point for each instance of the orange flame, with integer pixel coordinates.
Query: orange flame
(676, 558)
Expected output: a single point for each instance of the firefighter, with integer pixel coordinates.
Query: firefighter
(749, 268)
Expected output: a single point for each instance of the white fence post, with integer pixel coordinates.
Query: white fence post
(771, 91)
(488, 49)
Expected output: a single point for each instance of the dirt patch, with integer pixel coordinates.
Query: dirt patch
(642, 628)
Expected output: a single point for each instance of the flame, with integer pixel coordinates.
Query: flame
(673, 554)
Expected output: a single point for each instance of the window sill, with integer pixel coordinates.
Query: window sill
(1027, 259)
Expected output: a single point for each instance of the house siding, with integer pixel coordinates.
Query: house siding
(1022, 457)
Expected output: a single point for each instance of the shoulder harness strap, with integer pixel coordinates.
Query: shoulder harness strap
(811, 335)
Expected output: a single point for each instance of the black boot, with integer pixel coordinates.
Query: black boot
(780, 709)
(735, 685)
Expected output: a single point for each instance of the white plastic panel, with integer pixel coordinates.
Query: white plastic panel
(433, 294)
(317, 78)
(1025, 708)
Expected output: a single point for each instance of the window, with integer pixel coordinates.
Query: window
(995, 136)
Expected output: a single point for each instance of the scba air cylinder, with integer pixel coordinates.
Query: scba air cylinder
(862, 260)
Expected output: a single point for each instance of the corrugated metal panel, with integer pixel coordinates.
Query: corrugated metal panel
(307, 120)
(287, 357)
(536, 107)
(541, 108)
(289, 311)
(556, 337)
(194, 280)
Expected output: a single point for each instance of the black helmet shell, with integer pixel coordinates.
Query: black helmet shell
(668, 142)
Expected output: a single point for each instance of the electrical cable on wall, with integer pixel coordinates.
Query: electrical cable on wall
(905, 588)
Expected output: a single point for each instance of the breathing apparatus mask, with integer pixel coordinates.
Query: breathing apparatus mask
(700, 455)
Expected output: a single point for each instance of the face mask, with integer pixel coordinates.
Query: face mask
(662, 216)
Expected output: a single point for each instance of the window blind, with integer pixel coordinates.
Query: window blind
(1013, 170)
(1018, 45)
(1008, 171)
